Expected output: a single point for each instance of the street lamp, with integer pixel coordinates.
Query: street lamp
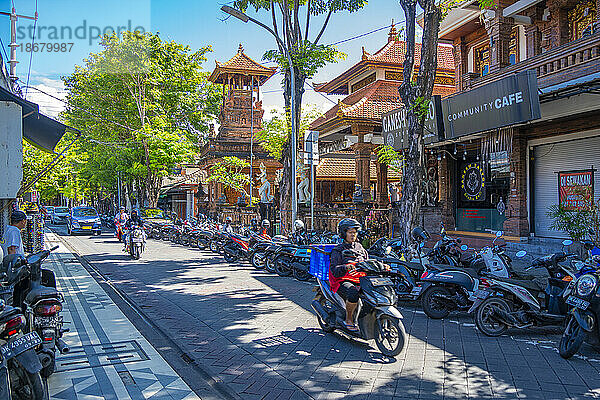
(245, 18)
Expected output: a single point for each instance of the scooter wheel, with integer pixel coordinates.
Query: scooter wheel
(258, 260)
(432, 305)
(390, 336)
(484, 316)
(572, 339)
(324, 324)
(281, 267)
(302, 275)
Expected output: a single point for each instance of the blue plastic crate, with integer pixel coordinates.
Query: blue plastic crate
(319, 261)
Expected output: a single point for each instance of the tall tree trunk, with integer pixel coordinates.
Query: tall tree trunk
(416, 95)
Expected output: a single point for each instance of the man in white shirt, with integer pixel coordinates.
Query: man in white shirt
(12, 242)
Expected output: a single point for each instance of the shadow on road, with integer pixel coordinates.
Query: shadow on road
(237, 319)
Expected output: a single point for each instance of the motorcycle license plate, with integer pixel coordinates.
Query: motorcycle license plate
(381, 282)
(577, 302)
(481, 294)
(18, 345)
(136, 240)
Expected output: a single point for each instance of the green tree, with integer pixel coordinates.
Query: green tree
(143, 106)
(307, 54)
(276, 131)
(230, 172)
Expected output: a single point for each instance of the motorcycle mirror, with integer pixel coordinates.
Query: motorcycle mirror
(567, 242)
(499, 234)
(388, 250)
(464, 247)
(521, 254)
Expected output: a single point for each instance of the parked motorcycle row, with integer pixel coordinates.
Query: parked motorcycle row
(485, 285)
(450, 277)
(278, 254)
(31, 326)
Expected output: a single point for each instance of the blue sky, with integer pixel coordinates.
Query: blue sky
(193, 22)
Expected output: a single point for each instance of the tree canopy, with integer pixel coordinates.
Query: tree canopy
(143, 106)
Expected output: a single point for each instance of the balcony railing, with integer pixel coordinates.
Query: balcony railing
(561, 64)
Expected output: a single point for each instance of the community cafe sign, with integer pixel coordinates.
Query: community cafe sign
(505, 102)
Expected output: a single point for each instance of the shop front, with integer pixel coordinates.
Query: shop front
(563, 173)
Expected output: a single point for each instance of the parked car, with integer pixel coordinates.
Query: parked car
(59, 215)
(84, 219)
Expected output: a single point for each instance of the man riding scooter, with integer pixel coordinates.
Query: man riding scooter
(343, 278)
(120, 220)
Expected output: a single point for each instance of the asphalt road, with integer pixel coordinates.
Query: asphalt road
(255, 334)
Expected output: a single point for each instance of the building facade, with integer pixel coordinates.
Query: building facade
(240, 118)
(509, 175)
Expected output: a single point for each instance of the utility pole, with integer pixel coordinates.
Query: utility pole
(251, 133)
(13, 41)
(119, 189)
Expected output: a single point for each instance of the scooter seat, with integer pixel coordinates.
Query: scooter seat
(41, 293)
(473, 272)
(527, 284)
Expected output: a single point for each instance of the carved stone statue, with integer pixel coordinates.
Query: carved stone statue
(265, 187)
(303, 187)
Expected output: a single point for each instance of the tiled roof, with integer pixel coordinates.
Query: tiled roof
(345, 169)
(241, 63)
(371, 102)
(394, 52)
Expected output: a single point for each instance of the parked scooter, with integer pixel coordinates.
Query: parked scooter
(518, 303)
(450, 288)
(376, 315)
(582, 324)
(41, 303)
(20, 366)
(236, 248)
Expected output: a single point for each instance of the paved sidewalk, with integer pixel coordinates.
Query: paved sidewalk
(109, 357)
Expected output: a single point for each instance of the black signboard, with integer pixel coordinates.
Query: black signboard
(505, 102)
(395, 131)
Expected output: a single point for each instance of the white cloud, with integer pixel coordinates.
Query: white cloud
(49, 105)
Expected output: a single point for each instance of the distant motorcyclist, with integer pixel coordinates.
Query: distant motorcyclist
(343, 277)
(120, 220)
(121, 216)
(134, 220)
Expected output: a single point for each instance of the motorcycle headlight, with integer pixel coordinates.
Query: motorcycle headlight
(586, 285)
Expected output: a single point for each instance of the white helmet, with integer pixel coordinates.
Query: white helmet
(298, 225)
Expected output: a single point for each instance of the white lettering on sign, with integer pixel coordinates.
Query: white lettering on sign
(576, 180)
(498, 103)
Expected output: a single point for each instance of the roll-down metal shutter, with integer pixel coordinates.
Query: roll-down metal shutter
(551, 158)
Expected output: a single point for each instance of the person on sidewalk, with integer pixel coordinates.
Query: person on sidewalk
(343, 278)
(12, 242)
